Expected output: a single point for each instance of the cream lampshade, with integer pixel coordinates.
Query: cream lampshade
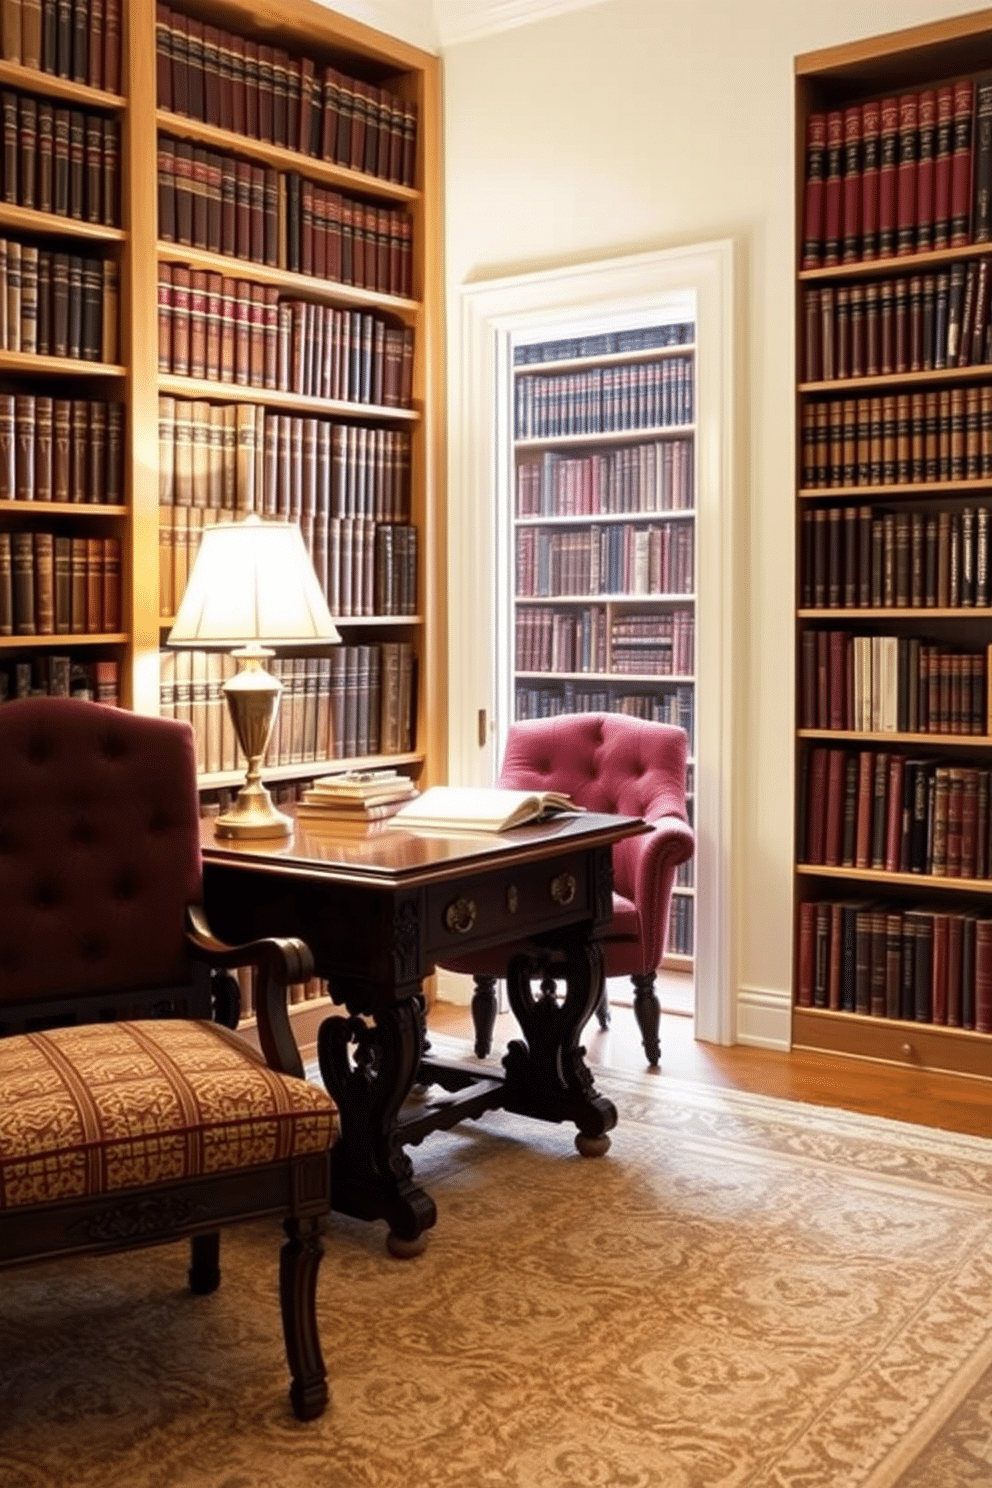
(253, 587)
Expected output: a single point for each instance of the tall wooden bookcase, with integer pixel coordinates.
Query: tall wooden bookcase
(603, 537)
(303, 29)
(894, 614)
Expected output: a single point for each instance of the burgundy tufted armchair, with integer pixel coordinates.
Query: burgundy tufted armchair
(607, 762)
(128, 1114)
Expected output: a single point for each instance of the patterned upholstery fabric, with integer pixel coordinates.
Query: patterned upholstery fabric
(110, 1107)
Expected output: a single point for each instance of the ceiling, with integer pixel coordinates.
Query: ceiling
(437, 24)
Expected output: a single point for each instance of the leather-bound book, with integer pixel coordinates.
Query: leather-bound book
(319, 222)
(77, 585)
(165, 362)
(11, 32)
(306, 227)
(111, 572)
(61, 447)
(345, 114)
(214, 202)
(211, 74)
(96, 474)
(961, 161)
(906, 170)
(293, 221)
(225, 65)
(45, 186)
(198, 323)
(28, 151)
(183, 156)
(199, 186)
(80, 40)
(166, 189)
(280, 98)
(49, 38)
(305, 71)
(77, 179)
(94, 585)
(256, 335)
(114, 493)
(180, 64)
(982, 194)
(266, 92)
(110, 164)
(228, 207)
(194, 64)
(8, 100)
(112, 46)
(270, 376)
(332, 216)
(242, 332)
(256, 215)
(816, 159)
(245, 492)
(333, 82)
(239, 99)
(359, 112)
(376, 120)
(213, 326)
(8, 448)
(270, 248)
(94, 45)
(60, 177)
(108, 339)
(251, 89)
(91, 327)
(925, 160)
(850, 236)
(24, 431)
(228, 329)
(44, 583)
(93, 168)
(63, 585)
(163, 55)
(242, 201)
(43, 447)
(29, 298)
(79, 451)
(63, 38)
(22, 546)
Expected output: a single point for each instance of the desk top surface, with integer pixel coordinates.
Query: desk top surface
(387, 854)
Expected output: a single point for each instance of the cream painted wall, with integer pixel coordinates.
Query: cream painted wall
(643, 124)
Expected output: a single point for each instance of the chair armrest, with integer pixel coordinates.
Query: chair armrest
(658, 853)
(279, 963)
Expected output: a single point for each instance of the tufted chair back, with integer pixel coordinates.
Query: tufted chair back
(605, 762)
(99, 849)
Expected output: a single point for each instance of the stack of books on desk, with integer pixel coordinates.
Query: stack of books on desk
(355, 797)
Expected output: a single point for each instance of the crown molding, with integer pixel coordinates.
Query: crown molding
(436, 24)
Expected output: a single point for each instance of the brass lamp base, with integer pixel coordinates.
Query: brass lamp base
(253, 702)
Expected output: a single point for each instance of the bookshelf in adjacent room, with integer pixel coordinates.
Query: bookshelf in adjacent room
(893, 931)
(603, 538)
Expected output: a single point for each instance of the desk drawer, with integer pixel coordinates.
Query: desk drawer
(473, 912)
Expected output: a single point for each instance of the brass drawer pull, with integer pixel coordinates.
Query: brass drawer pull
(459, 917)
(563, 888)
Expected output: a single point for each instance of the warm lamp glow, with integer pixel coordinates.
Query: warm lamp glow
(253, 587)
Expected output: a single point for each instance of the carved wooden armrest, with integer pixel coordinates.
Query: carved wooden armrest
(280, 963)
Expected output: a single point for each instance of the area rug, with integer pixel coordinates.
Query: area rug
(743, 1292)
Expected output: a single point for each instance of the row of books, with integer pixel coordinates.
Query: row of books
(857, 557)
(61, 449)
(356, 701)
(888, 327)
(48, 675)
(892, 684)
(75, 39)
(898, 175)
(650, 477)
(897, 439)
(58, 304)
(316, 988)
(229, 330)
(883, 810)
(214, 201)
(51, 584)
(681, 914)
(240, 458)
(922, 965)
(605, 343)
(638, 395)
(653, 645)
(60, 160)
(614, 558)
(684, 876)
(660, 705)
(563, 641)
(235, 82)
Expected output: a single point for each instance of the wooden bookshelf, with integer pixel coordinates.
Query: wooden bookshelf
(893, 621)
(626, 479)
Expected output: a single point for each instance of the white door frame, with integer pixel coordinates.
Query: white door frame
(493, 313)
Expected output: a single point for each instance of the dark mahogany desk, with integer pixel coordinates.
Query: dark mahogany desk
(379, 912)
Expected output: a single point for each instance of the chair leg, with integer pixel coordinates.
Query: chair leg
(647, 1011)
(299, 1262)
(204, 1270)
(484, 1013)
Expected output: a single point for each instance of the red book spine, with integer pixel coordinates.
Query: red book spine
(893, 825)
(942, 167)
(833, 828)
(925, 170)
(906, 174)
(807, 932)
(871, 119)
(851, 193)
(939, 975)
(888, 152)
(833, 187)
(862, 839)
(964, 101)
(816, 154)
(983, 976)
(816, 817)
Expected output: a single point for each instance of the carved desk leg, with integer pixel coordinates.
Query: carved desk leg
(547, 1076)
(369, 1068)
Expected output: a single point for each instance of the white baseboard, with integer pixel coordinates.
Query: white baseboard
(764, 1018)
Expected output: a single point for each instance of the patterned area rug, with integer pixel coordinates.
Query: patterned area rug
(743, 1292)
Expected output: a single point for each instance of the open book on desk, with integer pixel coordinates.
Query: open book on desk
(469, 808)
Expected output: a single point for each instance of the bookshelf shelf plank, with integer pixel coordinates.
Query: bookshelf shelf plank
(47, 366)
(325, 172)
(609, 359)
(32, 80)
(608, 437)
(62, 640)
(230, 392)
(27, 219)
(917, 489)
(36, 509)
(636, 678)
(980, 372)
(931, 741)
(612, 598)
(883, 268)
(305, 286)
(685, 514)
(880, 877)
(959, 612)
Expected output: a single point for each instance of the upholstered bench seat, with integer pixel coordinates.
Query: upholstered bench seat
(104, 1108)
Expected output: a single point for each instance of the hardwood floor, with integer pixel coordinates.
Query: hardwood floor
(951, 1102)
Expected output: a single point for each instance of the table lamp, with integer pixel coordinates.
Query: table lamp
(253, 587)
